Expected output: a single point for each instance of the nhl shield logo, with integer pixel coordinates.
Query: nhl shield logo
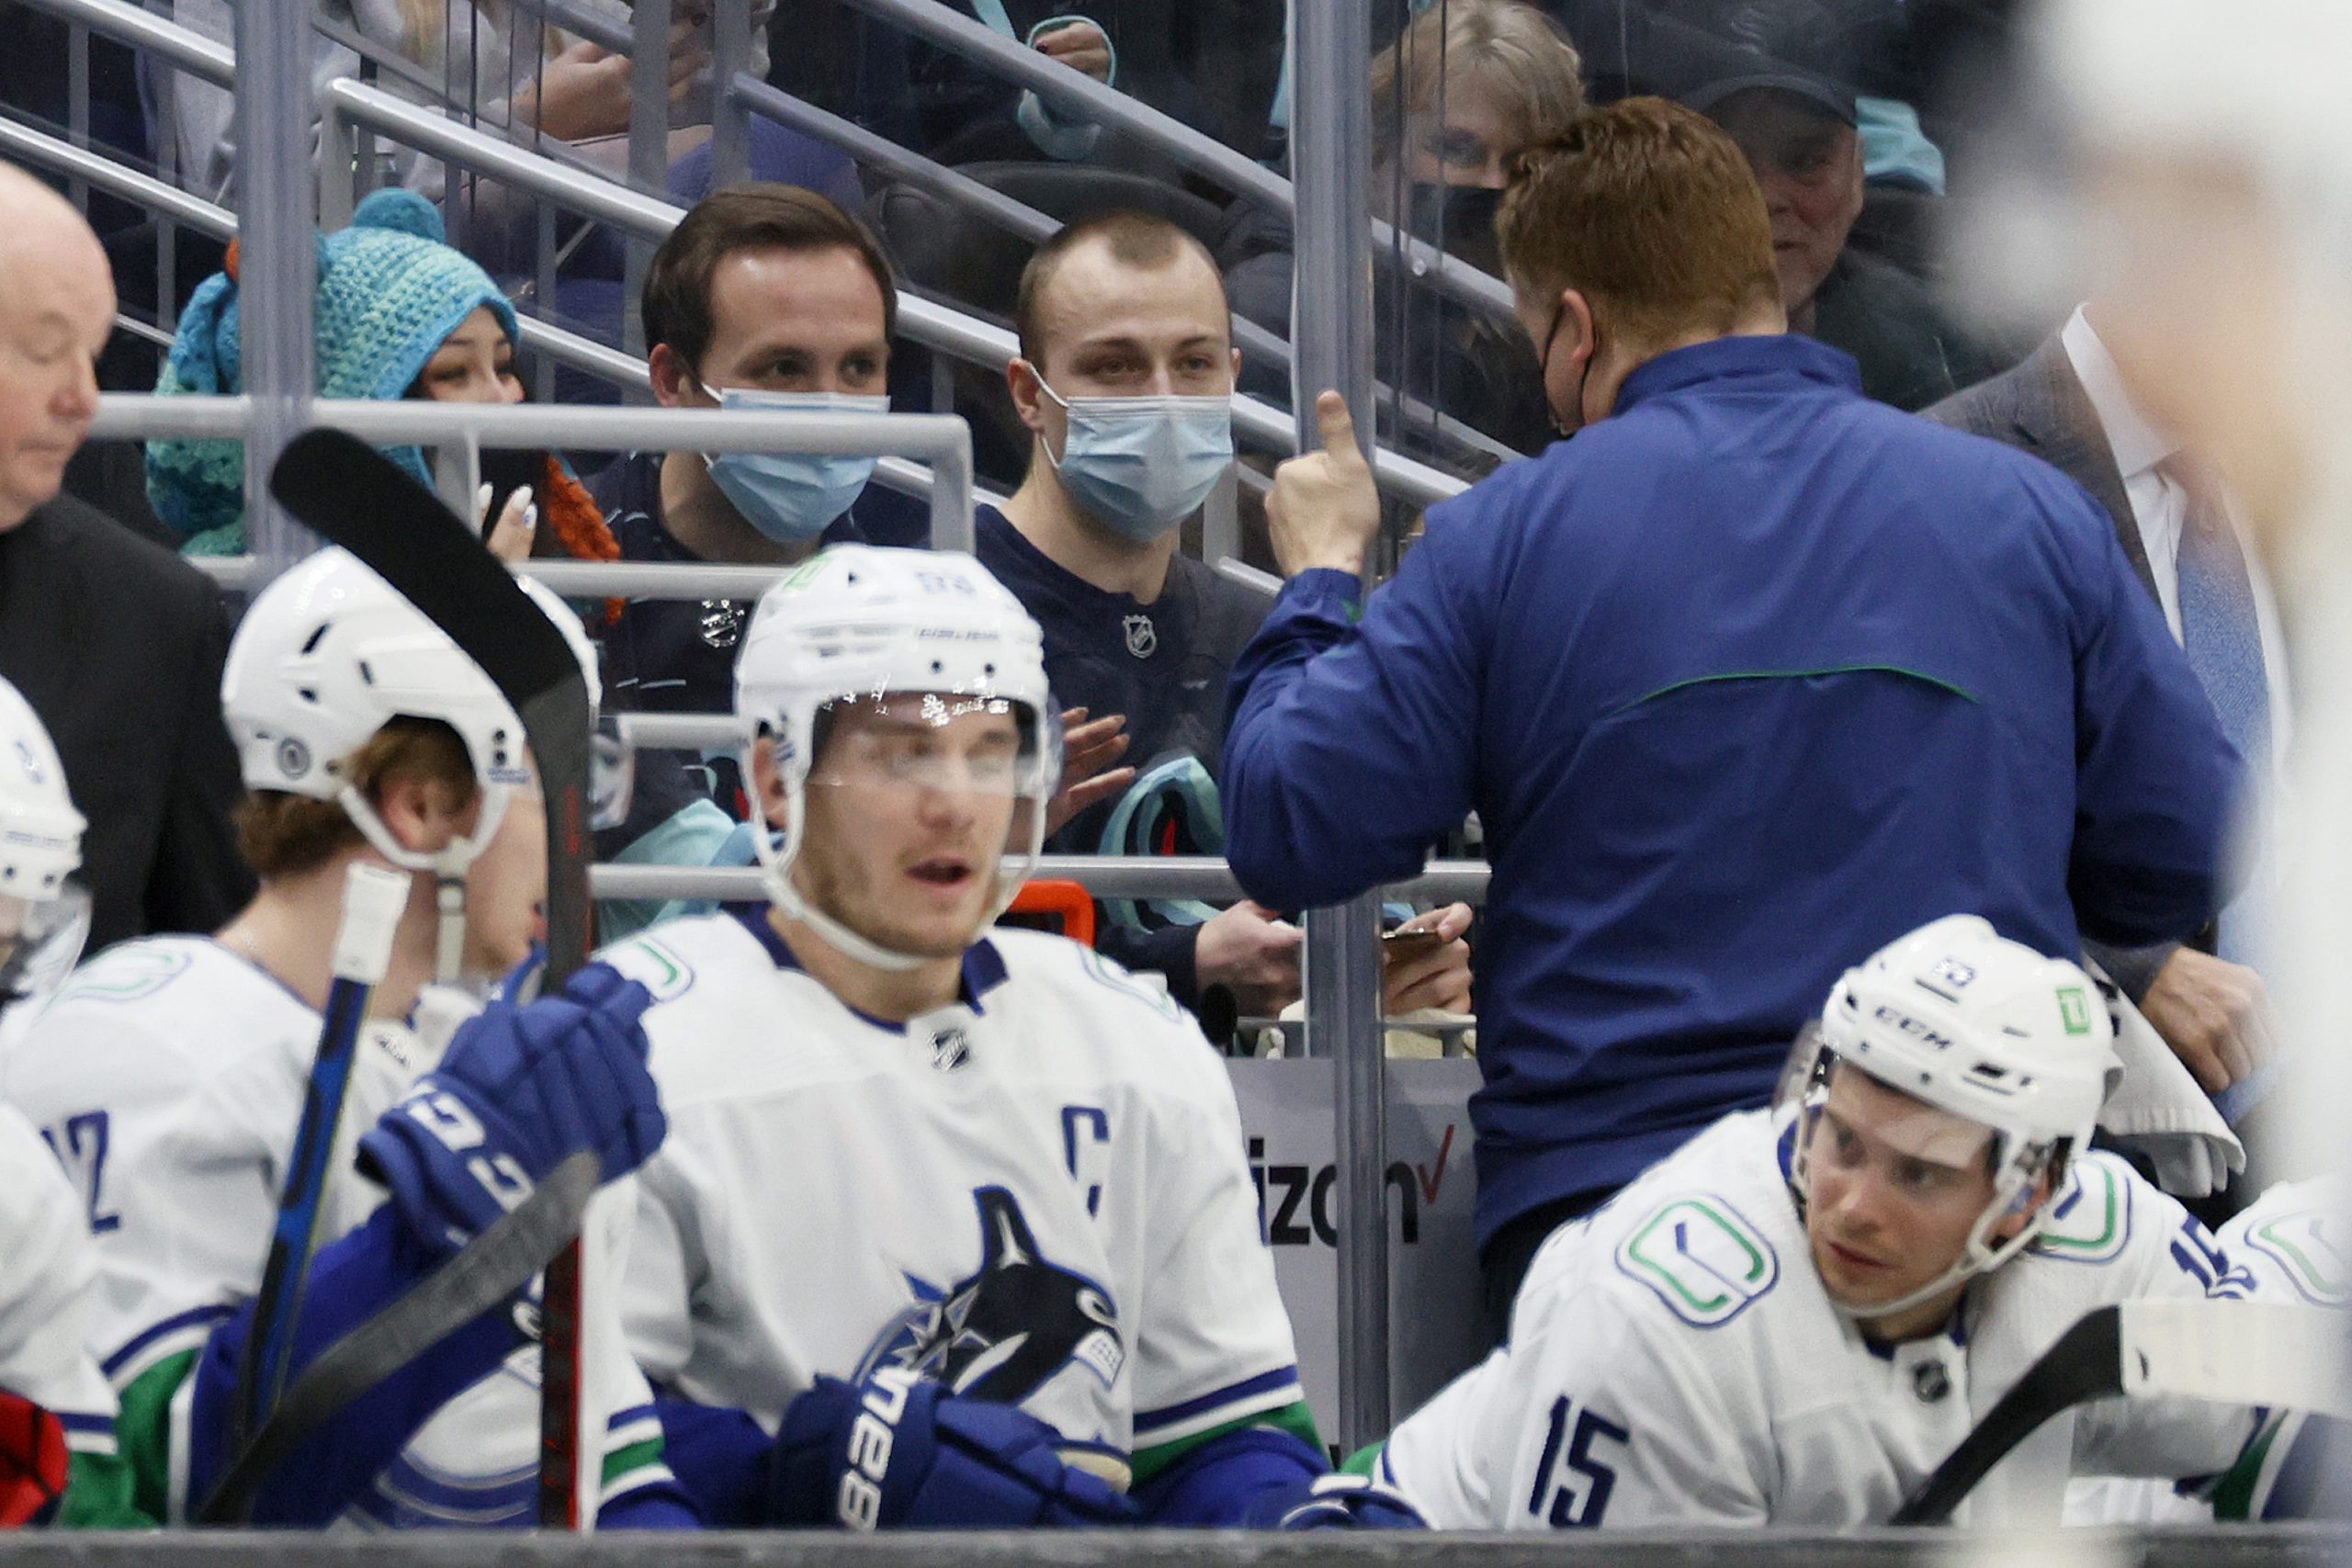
(1142, 638)
(950, 1049)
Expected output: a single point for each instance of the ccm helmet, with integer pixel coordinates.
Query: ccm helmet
(330, 653)
(1963, 1020)
(858, 621)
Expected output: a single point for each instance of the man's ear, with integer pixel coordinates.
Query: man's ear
(671, 376)
(1237, 366)
(1579, 339)
(422, 813)
(1021, 378)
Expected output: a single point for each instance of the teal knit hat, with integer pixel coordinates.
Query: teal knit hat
(390, 290)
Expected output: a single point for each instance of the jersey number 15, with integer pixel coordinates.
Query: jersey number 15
(1572, 1487)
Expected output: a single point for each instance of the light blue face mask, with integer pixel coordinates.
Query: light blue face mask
(1143, 465)
(791, 497)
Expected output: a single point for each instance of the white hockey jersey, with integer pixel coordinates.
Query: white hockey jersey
(45, 1292)
(2292, 1240)
(1674, 1360)
(168, 1074)
(1038, 1196)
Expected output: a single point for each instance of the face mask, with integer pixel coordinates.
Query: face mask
(1143, 465)
(791, 497)
(1459, 220)
(1543, 362)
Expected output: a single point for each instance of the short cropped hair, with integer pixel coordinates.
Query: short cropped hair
(1518, 54)
(1648, 209)
(758, 216)
(1136, 238)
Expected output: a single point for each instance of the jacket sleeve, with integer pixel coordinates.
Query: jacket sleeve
(1349, 747)
(198, 879)
(2155, 779)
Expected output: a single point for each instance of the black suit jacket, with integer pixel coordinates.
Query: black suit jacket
(117, 643)
(2039, 406)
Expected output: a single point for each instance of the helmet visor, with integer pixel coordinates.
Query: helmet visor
(40, 940)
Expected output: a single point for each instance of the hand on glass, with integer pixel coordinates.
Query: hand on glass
(1089, 747)
(1324, 510)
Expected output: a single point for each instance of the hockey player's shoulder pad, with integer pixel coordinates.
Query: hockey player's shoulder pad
(659, 965)
(2091, 1217)
(1038, 956)
(1700, 1256)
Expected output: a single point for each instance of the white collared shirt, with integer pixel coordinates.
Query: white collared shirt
(2160, 506)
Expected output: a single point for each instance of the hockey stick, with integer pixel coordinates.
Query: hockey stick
(2232, 1352)
(373, 897)
(358, 499)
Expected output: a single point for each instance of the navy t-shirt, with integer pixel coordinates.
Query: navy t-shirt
(1162, 664)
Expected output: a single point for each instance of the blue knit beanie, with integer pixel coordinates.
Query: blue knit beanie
(389, 291)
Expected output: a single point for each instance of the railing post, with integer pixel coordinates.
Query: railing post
(1332, 344)
(731, 133)
(277, 266)
(649, 151)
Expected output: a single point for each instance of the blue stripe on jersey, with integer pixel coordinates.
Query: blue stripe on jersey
(73, 1422)
(983, 968)
(171, 1324)
(1168, 1416)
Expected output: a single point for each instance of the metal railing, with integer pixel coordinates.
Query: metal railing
(1106, 877)
(945, 441)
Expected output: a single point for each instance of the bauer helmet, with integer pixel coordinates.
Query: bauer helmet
(330, 653)
(858, 621)
(44, 913)
(1982, 1028)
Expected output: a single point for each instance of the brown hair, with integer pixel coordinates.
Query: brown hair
(1507, 46)
(286, 835)
(1651, 211)
(759, 216)
(1136, 238)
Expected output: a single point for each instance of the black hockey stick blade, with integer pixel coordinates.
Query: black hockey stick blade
(492, 1268)
(353, 495)
(2085, 1363)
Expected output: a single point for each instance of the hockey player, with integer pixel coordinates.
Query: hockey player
(951, 1221)
(56, 1411)
(1795, 1317)
(169, 1073)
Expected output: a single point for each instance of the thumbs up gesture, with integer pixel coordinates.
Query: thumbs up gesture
(1324, 510)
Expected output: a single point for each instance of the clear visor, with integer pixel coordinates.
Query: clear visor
(928, 742)
(40, 940)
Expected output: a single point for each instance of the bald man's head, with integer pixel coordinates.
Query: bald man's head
(55, 317)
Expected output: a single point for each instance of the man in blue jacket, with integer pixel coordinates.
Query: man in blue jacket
(1753, 674)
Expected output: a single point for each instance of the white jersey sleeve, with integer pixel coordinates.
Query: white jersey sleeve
(1595, 1413)
(2167, 1254)
(2291, 1243)
(45, 1292)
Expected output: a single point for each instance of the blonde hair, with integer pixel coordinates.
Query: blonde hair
(1511, 49)
(424, 27)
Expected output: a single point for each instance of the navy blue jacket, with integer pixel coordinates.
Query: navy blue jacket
(1744, 682)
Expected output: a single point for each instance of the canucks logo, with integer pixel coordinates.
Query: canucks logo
(1002, 1332)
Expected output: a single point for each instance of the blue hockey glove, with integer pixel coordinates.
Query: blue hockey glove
(520, 1090)
(897, 1451)
(1336, 1503)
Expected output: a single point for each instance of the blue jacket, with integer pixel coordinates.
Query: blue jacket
(1744, 682)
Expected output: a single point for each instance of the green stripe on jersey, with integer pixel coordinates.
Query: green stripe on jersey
(138, 1497)
(1293, 1419)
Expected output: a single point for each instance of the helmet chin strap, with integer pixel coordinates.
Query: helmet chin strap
(775, 869)
(446, 866)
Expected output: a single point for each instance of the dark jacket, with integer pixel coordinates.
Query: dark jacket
(1744, 683)
(2040, 407)
(118, 645)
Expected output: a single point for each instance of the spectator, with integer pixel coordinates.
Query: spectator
(116, 645)
(1126, 377)
(1753, 672)
(2091, 400)
(1794, 115)
(493, 65)
(765, 296)
(397, 315)
(1466, 86)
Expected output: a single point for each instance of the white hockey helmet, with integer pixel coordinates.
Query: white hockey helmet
(859, 620)
(1962, 1019)
(44, 913)
(327, 655)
